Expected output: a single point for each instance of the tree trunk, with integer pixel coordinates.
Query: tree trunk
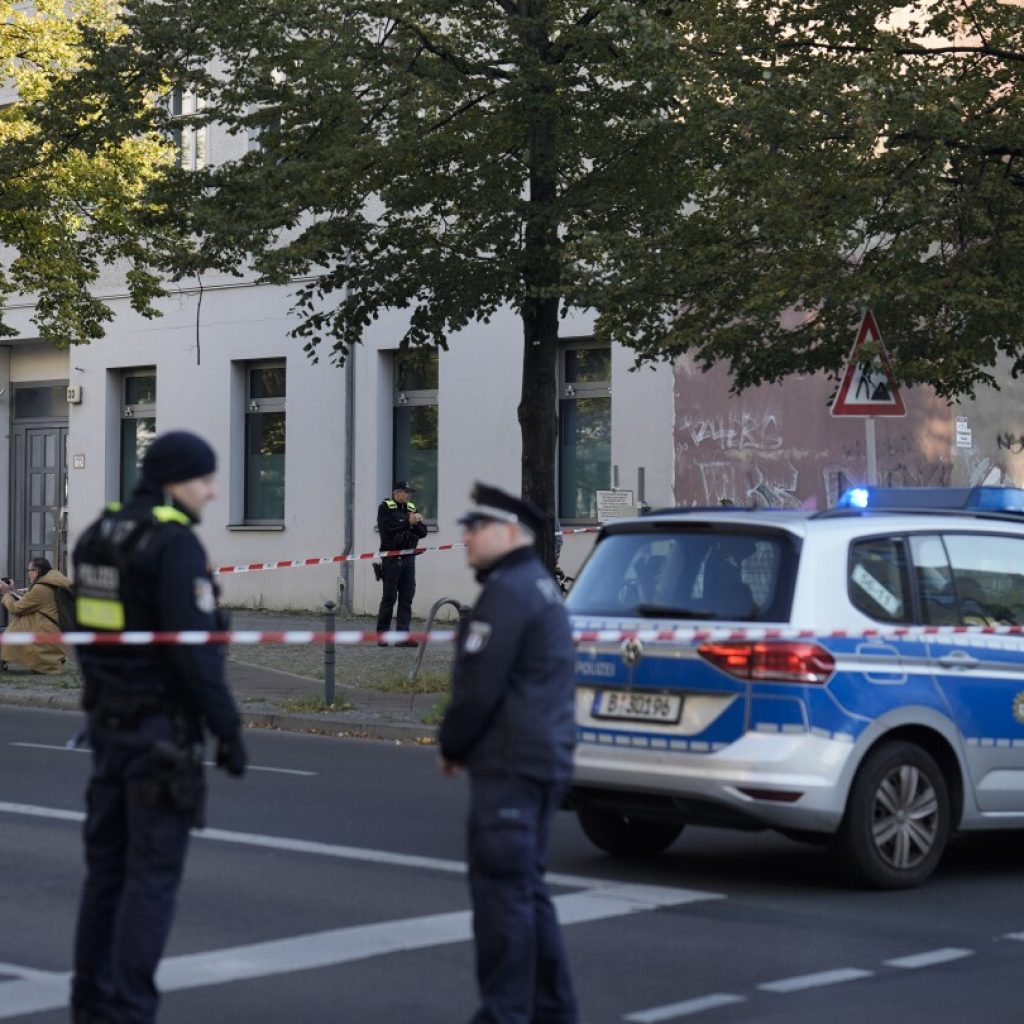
(538, 420)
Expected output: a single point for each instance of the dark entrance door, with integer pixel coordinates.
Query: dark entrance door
(40, 479)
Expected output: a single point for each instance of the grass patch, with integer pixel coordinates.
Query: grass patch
(425, 682)
(311, 702)
(436, 713)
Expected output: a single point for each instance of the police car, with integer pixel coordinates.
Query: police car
(807, 672)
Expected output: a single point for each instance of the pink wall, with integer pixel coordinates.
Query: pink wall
(779, 445)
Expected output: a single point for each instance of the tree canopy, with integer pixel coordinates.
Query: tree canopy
(736, 180)
(67, 211)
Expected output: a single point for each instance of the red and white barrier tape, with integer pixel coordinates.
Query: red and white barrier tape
(349, 638)
(293, 563)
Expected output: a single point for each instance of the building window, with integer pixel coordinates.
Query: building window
(585, 429)
(264, 442)
(138, 424)
(414, 426)
(190, 139)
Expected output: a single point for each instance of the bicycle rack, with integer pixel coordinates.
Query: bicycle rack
(431, 615)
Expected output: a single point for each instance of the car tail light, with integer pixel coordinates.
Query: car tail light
(771, 661)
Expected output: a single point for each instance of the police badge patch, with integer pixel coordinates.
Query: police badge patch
(477, 636)
(206, 602)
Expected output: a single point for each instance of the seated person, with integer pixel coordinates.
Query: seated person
(35, 611)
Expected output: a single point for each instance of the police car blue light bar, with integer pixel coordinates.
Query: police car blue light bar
(979, 499)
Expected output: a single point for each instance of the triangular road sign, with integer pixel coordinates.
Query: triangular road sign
(868, 388)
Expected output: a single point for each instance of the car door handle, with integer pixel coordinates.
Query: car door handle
(959, 659)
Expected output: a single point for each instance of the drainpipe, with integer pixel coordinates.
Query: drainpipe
(345, 576)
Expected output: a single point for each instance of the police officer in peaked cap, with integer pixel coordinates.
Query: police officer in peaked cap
(401, 528)
(141, 567)
(510, 724)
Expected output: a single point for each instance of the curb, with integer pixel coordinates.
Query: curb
(349, 728)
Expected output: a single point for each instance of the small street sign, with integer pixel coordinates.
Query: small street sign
(867, 388)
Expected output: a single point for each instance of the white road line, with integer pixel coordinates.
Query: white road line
(818, 980)
(1016, 936)
(673, 1011)
(39, 991)
(929, 959)
(655, 895)
(209, 764)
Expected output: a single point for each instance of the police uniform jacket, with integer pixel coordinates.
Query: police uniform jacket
(167, 586)
(512, 682)
(396, 533)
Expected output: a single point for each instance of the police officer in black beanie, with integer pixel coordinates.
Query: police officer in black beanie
(141, 567)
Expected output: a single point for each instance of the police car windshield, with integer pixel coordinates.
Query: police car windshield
(689, 572)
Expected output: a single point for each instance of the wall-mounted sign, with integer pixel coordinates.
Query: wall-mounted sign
(615, 505)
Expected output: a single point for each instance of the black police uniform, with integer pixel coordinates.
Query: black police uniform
(510, 722)
(147, 707)
(399, 572)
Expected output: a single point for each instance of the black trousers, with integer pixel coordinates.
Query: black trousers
(521, 965)
(399, 582)
(134, 853)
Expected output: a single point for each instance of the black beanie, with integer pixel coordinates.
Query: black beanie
(178, 456)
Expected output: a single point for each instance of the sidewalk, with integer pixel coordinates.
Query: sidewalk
(272, 683)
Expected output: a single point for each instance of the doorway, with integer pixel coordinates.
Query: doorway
(39, 484)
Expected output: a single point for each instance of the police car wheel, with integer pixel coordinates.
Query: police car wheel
(897, 818)
(624, 836)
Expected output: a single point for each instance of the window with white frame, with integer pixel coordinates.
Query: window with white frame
(138, 424)
(190, 139)
(414, 426)
(264, 442)
(585, 428)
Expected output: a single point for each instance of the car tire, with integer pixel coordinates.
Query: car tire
(624, 836)
(897, 818)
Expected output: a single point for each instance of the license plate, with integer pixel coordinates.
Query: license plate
(637, 707)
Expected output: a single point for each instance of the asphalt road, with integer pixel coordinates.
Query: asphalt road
(328, 887)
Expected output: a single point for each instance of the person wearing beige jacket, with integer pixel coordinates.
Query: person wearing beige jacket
(35, 611)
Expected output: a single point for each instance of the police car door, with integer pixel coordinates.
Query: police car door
(975, 579)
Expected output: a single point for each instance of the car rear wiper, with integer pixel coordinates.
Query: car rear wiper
(660, 611)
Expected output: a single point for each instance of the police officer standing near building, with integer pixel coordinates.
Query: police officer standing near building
(142, 568)
(510, 723)
(401, 527)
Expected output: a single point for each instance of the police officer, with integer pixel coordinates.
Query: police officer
(142, 568)
(401, 527)
(510, 723)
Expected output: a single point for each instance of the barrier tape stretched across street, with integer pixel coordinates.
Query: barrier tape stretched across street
(353, 638)
(294, 563)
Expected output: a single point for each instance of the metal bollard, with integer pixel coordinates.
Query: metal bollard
(329, 652)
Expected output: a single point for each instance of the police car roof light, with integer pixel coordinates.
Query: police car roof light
(980, 499)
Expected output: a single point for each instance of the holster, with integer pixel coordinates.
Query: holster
(177, 782)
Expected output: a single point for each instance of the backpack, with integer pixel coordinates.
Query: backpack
(66, 620)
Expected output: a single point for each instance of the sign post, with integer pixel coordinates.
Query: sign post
(868, 388)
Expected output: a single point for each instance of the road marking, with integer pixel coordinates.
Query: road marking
(209, 764)
(40, 990)
(818, 980)
(654, 894)
(1016, 936)
(673, 1011)
(929, 959)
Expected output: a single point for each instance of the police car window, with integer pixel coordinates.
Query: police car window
(989, 591)
(700, 575)
(878, 582)
(933, 578)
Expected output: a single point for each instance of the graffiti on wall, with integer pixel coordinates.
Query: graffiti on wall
(739, 431)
